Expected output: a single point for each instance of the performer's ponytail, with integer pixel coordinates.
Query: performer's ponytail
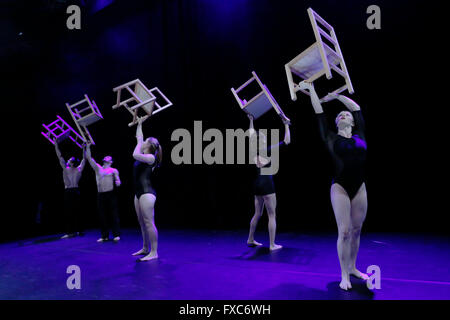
(158, 155)
(156, 151)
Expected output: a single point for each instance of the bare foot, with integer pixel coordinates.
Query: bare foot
(253, 243)
(345, 283)
(275, 247)
(140, 252)
(150, 256)
(358, 274)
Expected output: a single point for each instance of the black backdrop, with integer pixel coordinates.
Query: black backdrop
(195, 51)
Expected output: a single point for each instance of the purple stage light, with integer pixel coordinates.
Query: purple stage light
(95, 6)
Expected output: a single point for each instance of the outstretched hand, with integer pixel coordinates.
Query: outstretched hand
(305, 85)
(285, 120)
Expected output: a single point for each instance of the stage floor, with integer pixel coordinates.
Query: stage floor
(210, 265)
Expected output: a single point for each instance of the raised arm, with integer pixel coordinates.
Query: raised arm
(251, 128)
(349, 103)
(287, 131)
(91, 161)
(287, 137)
(62, 162)
(253, 141)
(315, 101)
(354, 108)
(137, 153)
(83, 161)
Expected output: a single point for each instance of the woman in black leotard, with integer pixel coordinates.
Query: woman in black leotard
(264, 188)
(148, 156)
(348, 191)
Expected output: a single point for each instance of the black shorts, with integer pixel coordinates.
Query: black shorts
(264, 185)
(141, 192)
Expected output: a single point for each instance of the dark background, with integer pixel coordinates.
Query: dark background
(195, 51)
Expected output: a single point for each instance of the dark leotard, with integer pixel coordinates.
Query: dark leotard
(348, 154)
(142, 173)
(263, 184)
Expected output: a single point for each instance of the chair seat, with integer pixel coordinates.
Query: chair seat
(145, 95)
(85, 116)
(89, 119)
(309, 62)
(260, 103)
(63, 136)
(258, 106)
(144, 98)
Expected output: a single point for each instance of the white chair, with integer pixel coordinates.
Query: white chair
(319, 59)
(60, 130)
(85, 116)
(146, 102)
(260, 103)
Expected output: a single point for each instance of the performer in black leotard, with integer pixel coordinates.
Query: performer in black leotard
(264, 188)
(148, 156)
(263, 184)
(142, 173)
(348, 153)
(348, 190)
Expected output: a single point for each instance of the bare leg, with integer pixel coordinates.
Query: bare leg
(144, 249)
(341, 207)
(259, 207)
(358, 214)
(147, 205)
(270, 201)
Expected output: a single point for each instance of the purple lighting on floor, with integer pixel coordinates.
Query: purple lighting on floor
(412, 267)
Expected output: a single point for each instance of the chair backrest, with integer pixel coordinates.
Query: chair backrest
(262, 102)
(80, 110)
(317, 23)
(243, 102)
(159, 107)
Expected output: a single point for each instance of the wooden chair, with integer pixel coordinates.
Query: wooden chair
(260, 103)
(319, 59)
(61, 130)
(85, 116)
(145, 100)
